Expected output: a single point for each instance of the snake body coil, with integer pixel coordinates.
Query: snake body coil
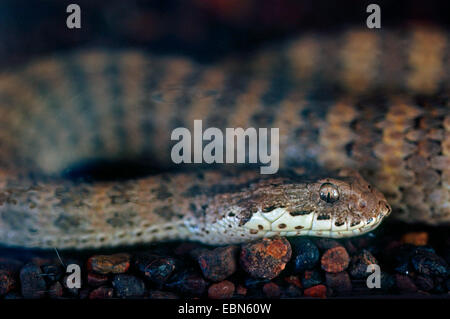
(375, 102)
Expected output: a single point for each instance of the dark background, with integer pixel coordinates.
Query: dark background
(204, 29)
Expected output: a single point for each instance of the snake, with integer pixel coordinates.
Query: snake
(369, 108)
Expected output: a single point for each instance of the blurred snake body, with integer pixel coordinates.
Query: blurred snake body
(375, 102)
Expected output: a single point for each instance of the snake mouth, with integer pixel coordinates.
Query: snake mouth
(282, 222)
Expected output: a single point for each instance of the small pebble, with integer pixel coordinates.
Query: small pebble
(311, 278)
(221, 290)
(102, 293)
(128, 286)
(219, 263)
(272, 290)
(33, 283)
(339, 282)
(306, 255)
(335, 259)
(188, 282)
(109, 264)
(7, 282)
(428, 263)
(405, 284)
(160, 269)
(359, 263)
(52, 273)
(415, 238)
(319, 291)
(265, 258)
(97, 280)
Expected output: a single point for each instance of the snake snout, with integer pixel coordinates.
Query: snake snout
(384, 208)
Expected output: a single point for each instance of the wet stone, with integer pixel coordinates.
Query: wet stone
(219, 263)
(335, 259)
(102, 293)
(306, 255)
(109, 264)
(311, 278)
(428, 263)
(96, 280)
(128, 286)
(159, 269)
(272, 290)
(403, 267)
(265, 258)
(359, 263)
(339, 282)
(52, 273)
(33, 283)
(188, 282)
(7, 282)
(319, 291)
(221, 290)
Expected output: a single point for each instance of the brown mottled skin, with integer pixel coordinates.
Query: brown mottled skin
(373, 101)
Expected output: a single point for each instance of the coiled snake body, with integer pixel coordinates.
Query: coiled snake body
(372, 101)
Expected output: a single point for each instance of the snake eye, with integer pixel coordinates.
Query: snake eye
(329, 193)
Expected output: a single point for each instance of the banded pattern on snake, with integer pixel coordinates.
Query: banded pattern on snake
(372, 101)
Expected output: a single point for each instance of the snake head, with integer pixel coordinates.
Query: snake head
(344, 206)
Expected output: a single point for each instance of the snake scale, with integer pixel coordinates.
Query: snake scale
(375, 102)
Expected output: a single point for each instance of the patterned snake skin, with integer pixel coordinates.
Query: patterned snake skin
(372, 101)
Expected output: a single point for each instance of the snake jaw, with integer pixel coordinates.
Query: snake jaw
(285, 224)
(360, 210)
